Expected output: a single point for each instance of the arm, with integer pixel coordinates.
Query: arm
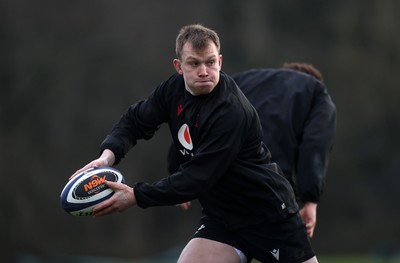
(107, 158)
(213, 156)
(139, 122)
(315, 146)
(314, 150)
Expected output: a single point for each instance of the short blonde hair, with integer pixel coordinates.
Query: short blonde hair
(198, 35)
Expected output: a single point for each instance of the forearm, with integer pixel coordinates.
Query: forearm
(107, 157)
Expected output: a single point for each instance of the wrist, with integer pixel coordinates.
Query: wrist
(108, 157)
(310, 204)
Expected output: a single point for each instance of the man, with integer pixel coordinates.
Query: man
(299, 122)
(249, 208)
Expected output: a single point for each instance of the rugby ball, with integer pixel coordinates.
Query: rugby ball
(87, 189)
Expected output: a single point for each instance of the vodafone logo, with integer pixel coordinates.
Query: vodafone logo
(184, 137)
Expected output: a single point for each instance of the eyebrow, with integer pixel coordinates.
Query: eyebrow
(208, 58)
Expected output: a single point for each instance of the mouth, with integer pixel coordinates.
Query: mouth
(204, 81)
(201, 87)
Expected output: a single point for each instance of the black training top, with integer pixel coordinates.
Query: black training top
(299, 122)
(225, 165)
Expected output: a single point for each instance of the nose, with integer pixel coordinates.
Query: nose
(203, 70)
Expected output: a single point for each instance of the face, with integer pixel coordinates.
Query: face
(200, 68)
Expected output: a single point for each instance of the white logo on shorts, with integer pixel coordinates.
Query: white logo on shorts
(275, 253)
(201, 227)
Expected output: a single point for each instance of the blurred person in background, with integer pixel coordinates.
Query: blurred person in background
(298, 118)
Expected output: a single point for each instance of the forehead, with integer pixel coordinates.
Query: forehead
(210, 50)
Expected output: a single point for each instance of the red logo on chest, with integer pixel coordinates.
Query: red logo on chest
(180, 107)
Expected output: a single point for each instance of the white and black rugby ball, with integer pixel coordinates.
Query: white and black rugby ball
(88, 189)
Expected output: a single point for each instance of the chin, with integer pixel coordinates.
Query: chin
(204, 90)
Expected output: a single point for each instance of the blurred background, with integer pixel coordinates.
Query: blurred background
(69, 69)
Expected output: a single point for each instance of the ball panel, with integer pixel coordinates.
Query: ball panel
(83, 212)
(94, 184)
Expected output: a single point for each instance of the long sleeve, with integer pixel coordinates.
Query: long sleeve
(316, 145)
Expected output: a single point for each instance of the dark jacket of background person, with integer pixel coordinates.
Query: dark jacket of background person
(299, 122)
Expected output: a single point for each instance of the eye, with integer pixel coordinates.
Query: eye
(193, 63)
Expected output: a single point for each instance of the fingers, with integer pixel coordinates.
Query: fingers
(114, 185)
(122, 199)
(310, 226)
(79, 171)
(310, 229)
(185, 206)
(309, 216)
(310, 232)
(104, 208)
(93, 164)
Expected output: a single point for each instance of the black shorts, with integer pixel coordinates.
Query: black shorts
(282, 242)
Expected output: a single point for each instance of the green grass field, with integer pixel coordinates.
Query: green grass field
(357, 259)
(171, 258)
(321, 259)
(354, 259)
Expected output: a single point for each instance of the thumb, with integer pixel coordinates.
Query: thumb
(113, 185)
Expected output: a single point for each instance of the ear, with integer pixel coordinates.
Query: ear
(178, 66)
(220, 60)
